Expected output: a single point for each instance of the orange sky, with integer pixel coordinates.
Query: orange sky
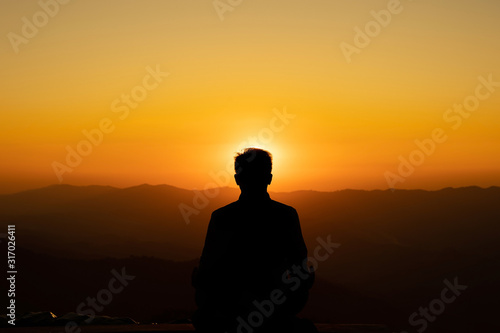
(346, 117)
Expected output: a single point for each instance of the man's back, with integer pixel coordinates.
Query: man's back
(250, 243)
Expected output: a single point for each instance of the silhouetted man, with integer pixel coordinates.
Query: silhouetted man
(245, 282)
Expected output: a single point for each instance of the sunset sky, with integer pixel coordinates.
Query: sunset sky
(272, 74)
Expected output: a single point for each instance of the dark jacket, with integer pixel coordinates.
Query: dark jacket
(249, 246)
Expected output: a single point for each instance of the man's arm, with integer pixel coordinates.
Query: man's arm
(209, 254)
(298, 251)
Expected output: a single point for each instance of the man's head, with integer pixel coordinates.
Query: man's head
(253, 169)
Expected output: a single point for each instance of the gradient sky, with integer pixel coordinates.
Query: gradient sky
(228, 78)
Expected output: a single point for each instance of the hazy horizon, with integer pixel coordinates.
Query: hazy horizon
(270, 190)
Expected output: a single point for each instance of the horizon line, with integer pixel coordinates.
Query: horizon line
(236, 188)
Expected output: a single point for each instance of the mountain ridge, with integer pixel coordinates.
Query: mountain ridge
(147, 185)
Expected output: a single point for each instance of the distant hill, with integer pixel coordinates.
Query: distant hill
(100, 221)
(396, 248)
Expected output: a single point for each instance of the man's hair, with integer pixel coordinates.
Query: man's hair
(253, 162)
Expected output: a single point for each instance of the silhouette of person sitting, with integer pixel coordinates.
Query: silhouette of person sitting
(253, 274)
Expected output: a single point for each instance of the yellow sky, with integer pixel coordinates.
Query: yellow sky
(274, 74)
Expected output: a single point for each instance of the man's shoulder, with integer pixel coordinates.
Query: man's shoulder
(284, 207)
(234, 206)
(225, 209)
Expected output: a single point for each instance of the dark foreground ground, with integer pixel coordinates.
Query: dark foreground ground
(184, 328)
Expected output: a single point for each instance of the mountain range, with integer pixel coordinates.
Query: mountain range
(394, 250)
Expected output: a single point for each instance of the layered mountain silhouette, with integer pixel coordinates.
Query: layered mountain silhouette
(396, 249)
